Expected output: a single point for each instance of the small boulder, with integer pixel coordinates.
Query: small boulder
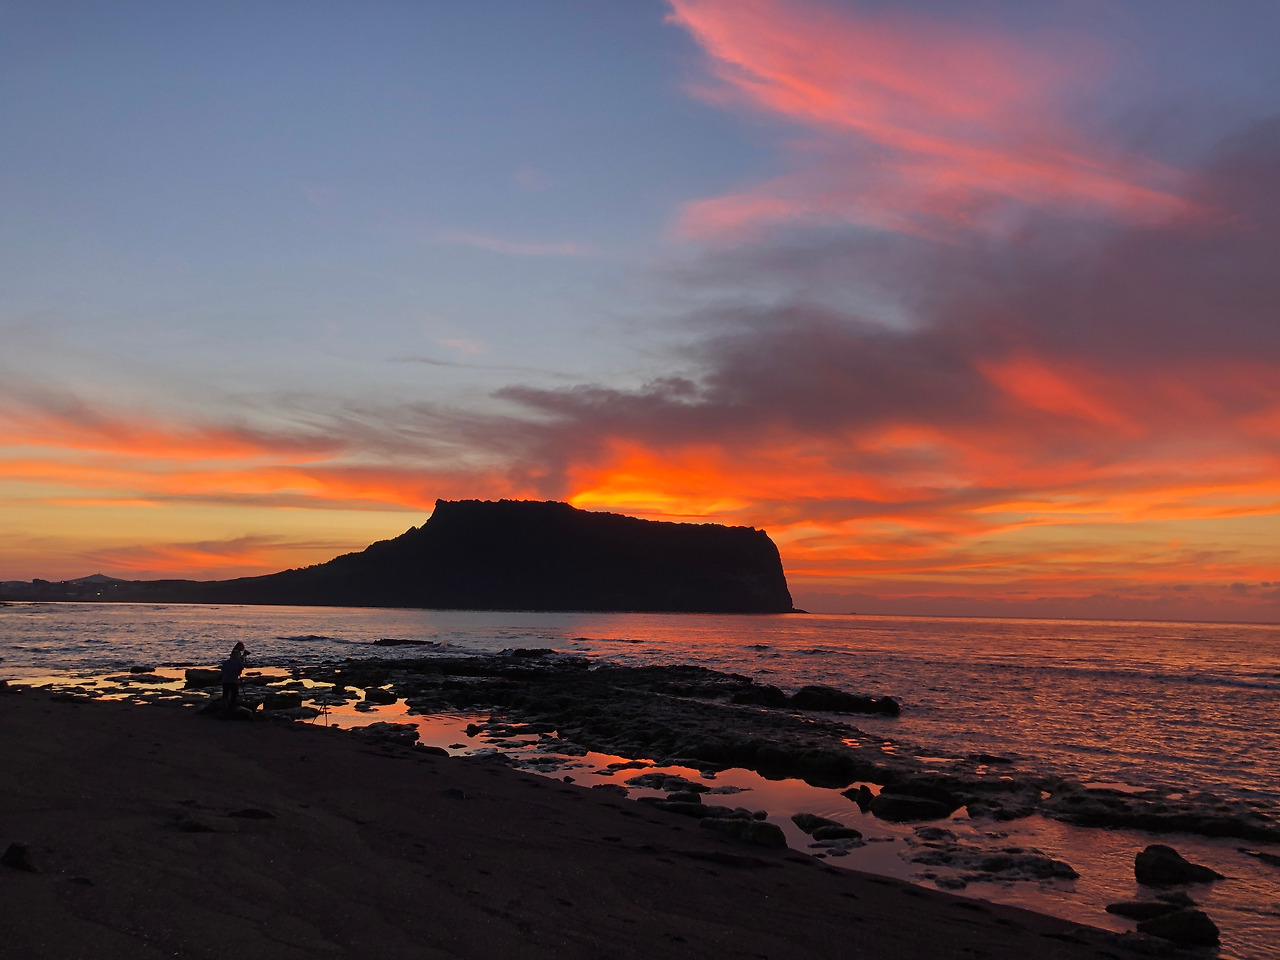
(1162, 866)
(201, 677)
(809, 822)
(377, 695)
(1186, 928)
(836, 831)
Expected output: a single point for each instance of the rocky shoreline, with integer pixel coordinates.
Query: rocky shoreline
(696, 717)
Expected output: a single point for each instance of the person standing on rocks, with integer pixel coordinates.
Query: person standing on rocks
(232, 667)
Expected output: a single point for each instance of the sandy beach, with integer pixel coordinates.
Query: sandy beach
(160, 832)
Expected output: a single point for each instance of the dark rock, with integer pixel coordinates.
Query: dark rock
(924, 790)
(684, 796)
(1186, 928)
(861, 795)
(1009, 865)
(431, 751)
(761, 695)
(402, 734)
(838, 701)
(1155, 812)
(1141, 909)
(198, 677)
(282, 701)
(836, 831)
(904, 808)
(142, 669)
(1162, 866)
(700, 810)
(752, 831)
(809, 822)
(376, 695)
(18, 857)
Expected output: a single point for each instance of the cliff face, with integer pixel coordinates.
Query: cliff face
(528, 555)
(519, 555)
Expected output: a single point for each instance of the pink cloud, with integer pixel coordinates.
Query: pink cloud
(912, 124)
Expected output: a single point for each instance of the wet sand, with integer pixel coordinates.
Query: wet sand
(159, 832)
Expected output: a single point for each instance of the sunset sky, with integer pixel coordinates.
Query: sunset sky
(975, 308)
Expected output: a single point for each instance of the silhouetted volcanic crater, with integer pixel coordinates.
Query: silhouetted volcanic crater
(522, 555)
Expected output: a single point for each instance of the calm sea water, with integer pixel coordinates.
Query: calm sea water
(1185, 705)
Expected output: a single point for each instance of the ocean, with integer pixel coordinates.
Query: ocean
(1132, 705)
